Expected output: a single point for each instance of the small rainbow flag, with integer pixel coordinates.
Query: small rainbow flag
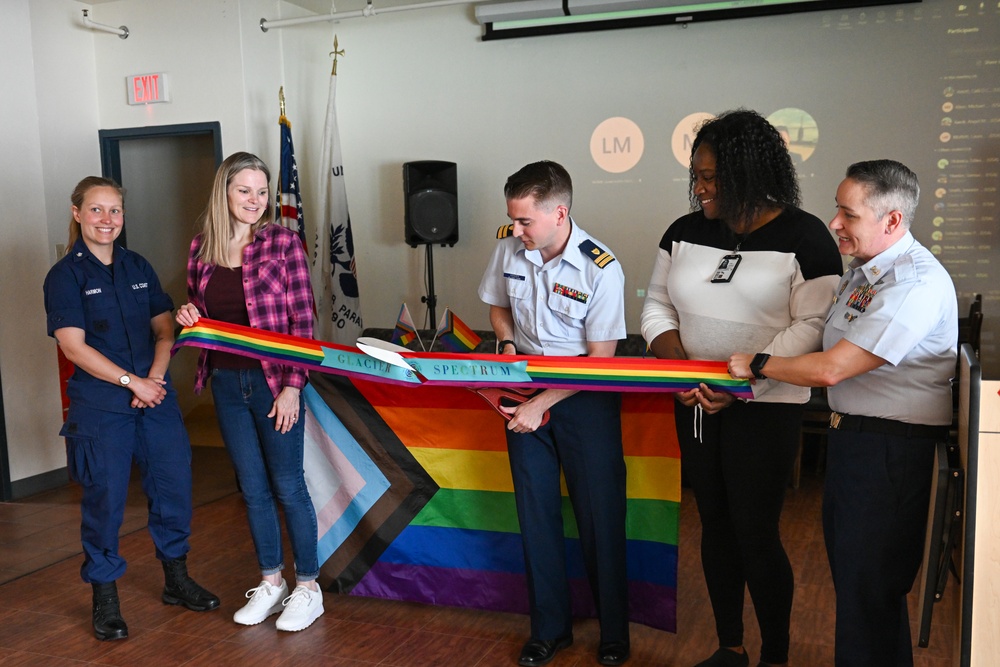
(455, 335)
(405, 331)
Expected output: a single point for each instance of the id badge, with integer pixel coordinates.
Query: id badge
(727, 267)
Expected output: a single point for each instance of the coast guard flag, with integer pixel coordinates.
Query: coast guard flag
(288, 206)
(405, 331)
(455, 335)
(335, 279)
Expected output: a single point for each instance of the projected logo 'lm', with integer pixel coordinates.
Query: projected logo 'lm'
(616, 145)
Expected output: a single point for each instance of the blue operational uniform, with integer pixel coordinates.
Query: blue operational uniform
(900, 306)
(114, 305)
(557, 307)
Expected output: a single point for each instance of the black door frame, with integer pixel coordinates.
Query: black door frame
(111, 161)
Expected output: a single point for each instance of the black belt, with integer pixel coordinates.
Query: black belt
(843, 422)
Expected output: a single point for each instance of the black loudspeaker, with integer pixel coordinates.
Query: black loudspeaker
(431, 207)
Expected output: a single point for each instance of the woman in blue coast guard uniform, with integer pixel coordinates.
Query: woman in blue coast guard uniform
(111, 318)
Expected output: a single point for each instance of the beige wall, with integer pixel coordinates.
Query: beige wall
(986, 582)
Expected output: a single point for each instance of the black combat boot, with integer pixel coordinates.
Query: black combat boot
(182, 589)
(108, 621)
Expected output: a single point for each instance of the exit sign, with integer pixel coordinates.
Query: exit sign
(147, 88)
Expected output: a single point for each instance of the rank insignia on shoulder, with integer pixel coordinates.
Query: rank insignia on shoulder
(505, 230)
(599, 255)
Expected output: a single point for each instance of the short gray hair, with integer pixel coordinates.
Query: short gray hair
(889, 186)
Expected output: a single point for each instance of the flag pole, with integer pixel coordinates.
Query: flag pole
(335, 273)
(281, 100)
(336, 52)
(437, 328)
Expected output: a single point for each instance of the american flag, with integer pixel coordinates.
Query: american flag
(288, 206)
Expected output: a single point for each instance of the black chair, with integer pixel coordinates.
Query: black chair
(970, 328)
(815, 421)
(969, 331)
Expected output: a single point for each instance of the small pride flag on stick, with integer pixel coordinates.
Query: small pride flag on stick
(405, 331)
(454, 334)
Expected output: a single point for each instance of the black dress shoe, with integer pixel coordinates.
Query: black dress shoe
(613, 653)
(108, 621)
(541, 651)
(726, 658)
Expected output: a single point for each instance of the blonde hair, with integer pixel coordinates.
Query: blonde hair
(79, 193)
(216, 221)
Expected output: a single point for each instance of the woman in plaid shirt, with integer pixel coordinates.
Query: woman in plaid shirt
(245, 270)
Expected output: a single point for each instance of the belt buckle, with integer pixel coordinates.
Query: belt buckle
(835, 418)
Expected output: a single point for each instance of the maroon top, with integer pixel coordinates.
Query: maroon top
(277, 292)
(224, 302)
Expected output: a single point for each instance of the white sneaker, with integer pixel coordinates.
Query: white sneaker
(264, 601)
(302, 607)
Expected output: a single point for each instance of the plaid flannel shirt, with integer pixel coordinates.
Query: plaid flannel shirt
(278, 293)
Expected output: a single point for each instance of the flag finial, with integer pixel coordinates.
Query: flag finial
(281, 100)
(336, 52)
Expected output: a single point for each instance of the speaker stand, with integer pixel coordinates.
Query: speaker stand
(431, 298)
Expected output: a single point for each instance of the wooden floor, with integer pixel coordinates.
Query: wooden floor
(45, 615)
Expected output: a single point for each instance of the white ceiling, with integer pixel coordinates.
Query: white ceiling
(326, 6)
(321, 6)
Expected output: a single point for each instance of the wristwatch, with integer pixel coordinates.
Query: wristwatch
(124, 380)
(757, 365)
(504, 343)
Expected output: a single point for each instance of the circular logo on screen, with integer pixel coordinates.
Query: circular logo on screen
(616, 145)
(683, 136)
(799, 131)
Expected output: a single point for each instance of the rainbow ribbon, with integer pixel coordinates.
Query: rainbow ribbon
(466, 370)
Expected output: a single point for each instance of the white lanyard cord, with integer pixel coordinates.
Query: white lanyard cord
(698, 429)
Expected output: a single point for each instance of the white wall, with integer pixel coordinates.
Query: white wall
(62, 83)
(48, 107)
(200, 46)
(422, 85)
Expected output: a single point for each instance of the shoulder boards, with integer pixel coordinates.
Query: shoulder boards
(596, 253)
(505, 230)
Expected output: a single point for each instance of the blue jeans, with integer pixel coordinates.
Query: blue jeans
(268, 466)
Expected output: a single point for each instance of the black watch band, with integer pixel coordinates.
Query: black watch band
(757, 365)
(504, 343)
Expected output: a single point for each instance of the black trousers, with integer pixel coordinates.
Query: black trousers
(739, 467)
(875, 507)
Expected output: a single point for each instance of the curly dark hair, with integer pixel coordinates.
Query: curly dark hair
(753, 169)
